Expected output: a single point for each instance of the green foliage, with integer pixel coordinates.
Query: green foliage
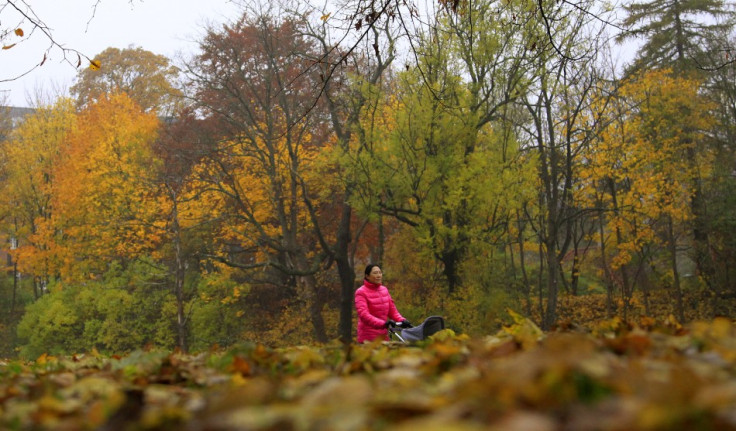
(11, 312)
(476, 308)
(677, 34)
(720, 225)
(45, 327)
(126, 310)
(437, 157)
(217, 315)
(488, 149)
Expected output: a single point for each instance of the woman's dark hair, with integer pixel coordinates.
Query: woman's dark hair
(369, 268)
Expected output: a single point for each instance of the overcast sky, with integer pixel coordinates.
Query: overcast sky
(166, 27)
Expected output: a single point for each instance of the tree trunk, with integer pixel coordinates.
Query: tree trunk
(310, 293)
(449, 259)
(673, 266)
(315, 304)
(540, 278)
(181, 319)
(522, 266)
(606, 270)
(550, 316)
(346, 272)
(36, 282)
(626, 289)
(15, 289)
(575, 273)
(566, 289)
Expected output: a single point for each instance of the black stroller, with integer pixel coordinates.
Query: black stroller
(420, 332)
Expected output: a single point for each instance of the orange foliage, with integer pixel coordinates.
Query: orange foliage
(29, 158)
(103, 205)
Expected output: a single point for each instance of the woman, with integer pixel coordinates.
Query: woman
(376, 309)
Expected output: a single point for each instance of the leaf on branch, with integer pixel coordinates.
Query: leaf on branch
(94, 64)
(8, 46)
(325, 17)
(19, 32)
(44, 60)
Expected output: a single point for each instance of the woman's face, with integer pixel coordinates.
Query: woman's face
(376, 276)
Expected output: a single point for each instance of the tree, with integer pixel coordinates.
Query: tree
(690, 37)
(677, 33)
(250, 82)
(119, 312)
(30, 157)
(434, 133)
(641, 174)
(147, 78)
(556, 102)
(718, 192)
(675, 121)
(180, 147)
(367, 64)
(102, 201)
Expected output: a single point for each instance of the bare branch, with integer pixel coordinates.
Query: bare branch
(25, 10)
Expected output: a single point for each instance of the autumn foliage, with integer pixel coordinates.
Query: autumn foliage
(181, 246)
(239, 201)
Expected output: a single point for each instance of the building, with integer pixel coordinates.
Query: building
(15, 114)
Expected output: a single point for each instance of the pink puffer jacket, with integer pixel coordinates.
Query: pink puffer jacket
(374, 306)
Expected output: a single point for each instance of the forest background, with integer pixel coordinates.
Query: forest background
(493, 156)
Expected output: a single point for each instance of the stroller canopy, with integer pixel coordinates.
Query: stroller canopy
(420, 332)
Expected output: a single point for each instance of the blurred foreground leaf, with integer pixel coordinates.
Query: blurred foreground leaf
(616, 377)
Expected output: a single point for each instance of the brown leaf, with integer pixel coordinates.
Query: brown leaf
(241, 366)
(636, 343)
(19, 32)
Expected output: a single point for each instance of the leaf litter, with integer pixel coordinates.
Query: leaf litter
(611, 377)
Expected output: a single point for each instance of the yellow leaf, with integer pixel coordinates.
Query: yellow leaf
(325, 17)
(19, 32)
(8, 46)
(237, 379)
(94, 64)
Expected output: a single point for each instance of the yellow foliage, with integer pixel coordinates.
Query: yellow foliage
(644, 164)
